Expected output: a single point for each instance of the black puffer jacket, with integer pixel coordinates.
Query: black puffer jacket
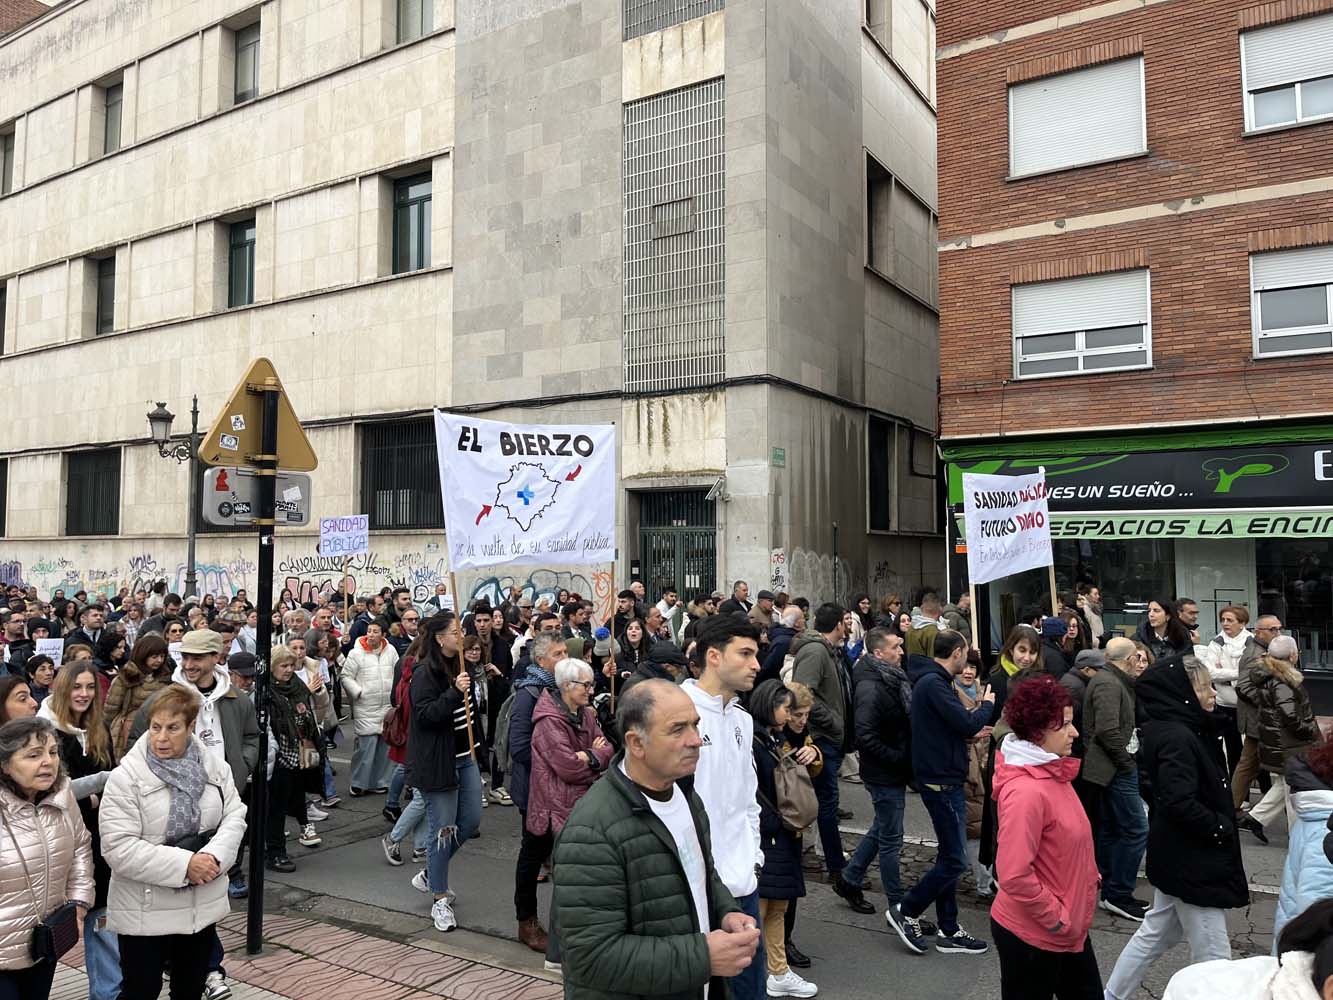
(781, 876)
(883, 726)
(1286, 718)
(1193, 846)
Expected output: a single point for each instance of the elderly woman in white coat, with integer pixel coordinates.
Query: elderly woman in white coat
(367, 680)
(171, 824)
(46, 855)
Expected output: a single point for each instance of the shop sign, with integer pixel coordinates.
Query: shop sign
(1294, 475)
(1233, 524)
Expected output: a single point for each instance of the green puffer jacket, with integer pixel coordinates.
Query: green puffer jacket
(626, 918)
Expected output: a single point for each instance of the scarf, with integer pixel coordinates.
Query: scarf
(1009, 666)
(291, 719)
(968, 689)
(536, 677)
(186, 777)
(894, 677)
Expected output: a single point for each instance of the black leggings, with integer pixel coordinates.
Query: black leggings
(142, 960)
(1029, 973)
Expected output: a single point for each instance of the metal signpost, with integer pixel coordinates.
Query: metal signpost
(258, 430)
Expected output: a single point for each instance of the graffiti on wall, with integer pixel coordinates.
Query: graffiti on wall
(596, 586)
(811, 576)
(139, 572)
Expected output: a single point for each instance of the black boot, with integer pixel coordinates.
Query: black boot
(853, 895)
(1255, 827)
(796, 958)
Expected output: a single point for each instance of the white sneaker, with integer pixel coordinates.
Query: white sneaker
(215, 987)
(789, 984)
(442, 912)
(309, 838)
(314, 813)
(500, 797)
(550, 966)
(421, 881)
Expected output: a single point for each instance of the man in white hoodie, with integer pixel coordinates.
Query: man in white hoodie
(725, 778)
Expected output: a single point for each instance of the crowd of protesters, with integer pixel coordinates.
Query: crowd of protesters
(676, 767)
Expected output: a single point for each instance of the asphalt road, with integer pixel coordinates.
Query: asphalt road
(855, 956)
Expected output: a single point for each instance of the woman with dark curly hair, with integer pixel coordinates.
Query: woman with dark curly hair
(1045, 863)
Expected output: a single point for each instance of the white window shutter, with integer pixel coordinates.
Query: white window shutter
(1079, 117)
(1292, 268)
(1285, 53)
(1094, 302)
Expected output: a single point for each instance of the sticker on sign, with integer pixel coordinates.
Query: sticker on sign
(230, 442)
(237, 422)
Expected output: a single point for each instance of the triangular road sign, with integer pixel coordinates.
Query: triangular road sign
(234, 437)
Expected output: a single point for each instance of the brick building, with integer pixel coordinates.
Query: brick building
(1136, 287)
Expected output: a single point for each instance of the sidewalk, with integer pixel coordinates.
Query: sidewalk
(306, 959)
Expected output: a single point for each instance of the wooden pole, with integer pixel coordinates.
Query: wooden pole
(1054, 602)
(972, 602)
(347, 601)
(462, 666)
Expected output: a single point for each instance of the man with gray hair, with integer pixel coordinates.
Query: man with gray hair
(1266, 629)
(791, 623)
(641, 909)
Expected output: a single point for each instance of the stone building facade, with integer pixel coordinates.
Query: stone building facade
(712, 224)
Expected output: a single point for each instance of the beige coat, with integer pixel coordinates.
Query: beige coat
(150, 894)
(59, 856)
(130, 691)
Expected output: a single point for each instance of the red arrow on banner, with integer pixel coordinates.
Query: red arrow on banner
(485, 509)
(574, 475)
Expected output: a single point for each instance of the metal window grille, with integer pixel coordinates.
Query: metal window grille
(241, 264)
(106, 295)
(675, 208)
(92, 492)
(678, 541)
(677, 509)
(643, 16)
(400, 480)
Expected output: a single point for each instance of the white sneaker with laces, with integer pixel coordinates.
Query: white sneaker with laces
(314, 813)
(442, 913)
(309, 838)
(421, 881)
(789, 984)
(215, 987)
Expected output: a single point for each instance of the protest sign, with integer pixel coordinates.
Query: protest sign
(344, 536)
(1007, 524)
(54, 648)
(520, 493)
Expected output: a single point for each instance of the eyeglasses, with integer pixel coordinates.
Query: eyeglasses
(586, 685)
(412, 619)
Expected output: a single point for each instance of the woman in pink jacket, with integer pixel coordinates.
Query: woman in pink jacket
(569, 751)
(1045, 861)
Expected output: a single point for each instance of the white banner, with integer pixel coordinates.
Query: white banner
(344, 536)
(523, 493)
(1007, 525)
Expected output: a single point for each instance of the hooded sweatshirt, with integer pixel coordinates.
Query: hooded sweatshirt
(46, 711)
(726, 782)
(1045, 862)
(206, 725)
(1307, 876)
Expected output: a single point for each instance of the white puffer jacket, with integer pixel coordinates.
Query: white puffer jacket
(367, 678)
(150, 894)
(59, 855)
(1259, 978)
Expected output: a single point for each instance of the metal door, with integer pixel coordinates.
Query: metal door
(678, 542)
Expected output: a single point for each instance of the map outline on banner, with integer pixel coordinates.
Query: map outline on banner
(525, 494)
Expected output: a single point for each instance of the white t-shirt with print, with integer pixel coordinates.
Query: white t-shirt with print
(676, 817)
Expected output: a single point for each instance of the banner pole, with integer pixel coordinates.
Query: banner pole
(1054, 602)
(462, 667)
(347, 603)
(972, 603)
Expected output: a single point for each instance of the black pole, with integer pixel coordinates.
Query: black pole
(834, 596)
(267, 463)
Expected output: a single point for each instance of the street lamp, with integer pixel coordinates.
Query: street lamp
(159, 426)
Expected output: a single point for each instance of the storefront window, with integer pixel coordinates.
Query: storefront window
(1296, 584)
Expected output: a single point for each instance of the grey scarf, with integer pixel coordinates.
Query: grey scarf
(895, 677)
(186, 778)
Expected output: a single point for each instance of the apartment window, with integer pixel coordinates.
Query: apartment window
(1288, 72)
(1292, 301)
(1082, 325)
(645, 16)
(414, 19)
(398, 488)
(106, 295)
(111, 127)
(4, 493)
(6, 163)
(241, 264)
(901, 235)
(247, 62)
(4, 302)
(92, 492)
(411, 224)
(880, 464)
(1074, 119)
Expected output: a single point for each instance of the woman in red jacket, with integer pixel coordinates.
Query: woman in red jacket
(1045, 862)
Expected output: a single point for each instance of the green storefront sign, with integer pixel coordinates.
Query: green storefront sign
(1252, 482)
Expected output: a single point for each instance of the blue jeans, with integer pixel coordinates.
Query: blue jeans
(948, 815)
(885, 838)
(101, 957)
(330, 790)
(451, 817)
(826, 790)
(370, 763)
(413, 820)
(396, 782)
(1123, 836)
(752, 983)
